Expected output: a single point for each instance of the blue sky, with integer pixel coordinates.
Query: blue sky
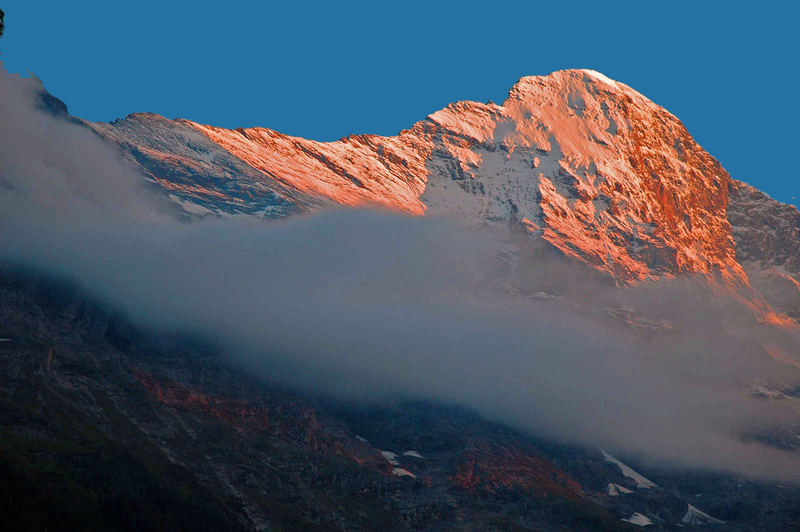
(728, 70)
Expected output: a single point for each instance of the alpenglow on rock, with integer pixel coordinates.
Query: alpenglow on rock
(588, 164)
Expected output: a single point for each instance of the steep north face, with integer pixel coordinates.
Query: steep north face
(584, 162)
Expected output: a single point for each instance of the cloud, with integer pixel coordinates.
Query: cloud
(363, 304)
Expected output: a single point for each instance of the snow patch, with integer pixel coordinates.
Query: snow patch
(189, 207)
(641, 481)
(400, 472)
(413, 454)
(614, 490)
(639, 519)
(600, 77)
(361, 439)
(695, 516)
(390, 457)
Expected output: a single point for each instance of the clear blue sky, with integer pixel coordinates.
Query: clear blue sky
(729, 70)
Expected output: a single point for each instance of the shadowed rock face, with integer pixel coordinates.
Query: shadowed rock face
(106, 426)
(767, 235)
(590, 165)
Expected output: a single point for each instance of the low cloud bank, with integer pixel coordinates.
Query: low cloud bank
(363, 304)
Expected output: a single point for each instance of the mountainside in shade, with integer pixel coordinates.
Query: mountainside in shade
(767, 235)
(105, 426)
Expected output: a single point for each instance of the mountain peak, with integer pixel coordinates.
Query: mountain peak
(560, 80)
(579, 160)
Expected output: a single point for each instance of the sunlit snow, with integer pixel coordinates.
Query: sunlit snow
(600, 77)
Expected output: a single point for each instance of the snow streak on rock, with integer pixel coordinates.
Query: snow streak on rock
(640, 480)
(694, 516)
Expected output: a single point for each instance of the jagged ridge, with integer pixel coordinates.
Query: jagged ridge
(584, 162)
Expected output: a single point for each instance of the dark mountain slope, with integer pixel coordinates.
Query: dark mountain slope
(105, 427)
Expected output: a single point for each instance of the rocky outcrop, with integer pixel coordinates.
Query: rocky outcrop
(767, 235)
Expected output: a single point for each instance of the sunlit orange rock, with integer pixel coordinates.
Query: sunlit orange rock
(603, 173)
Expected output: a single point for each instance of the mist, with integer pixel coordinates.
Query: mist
(369, 305)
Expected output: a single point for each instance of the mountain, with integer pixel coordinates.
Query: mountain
(586, 163)
(591, 165)
(106, 424)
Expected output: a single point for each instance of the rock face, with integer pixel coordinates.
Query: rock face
(767, 235)
(598, 170)
(586, 163)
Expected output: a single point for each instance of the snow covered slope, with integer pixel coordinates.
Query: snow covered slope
(198, 175)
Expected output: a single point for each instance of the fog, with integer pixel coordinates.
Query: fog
(370, 305)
